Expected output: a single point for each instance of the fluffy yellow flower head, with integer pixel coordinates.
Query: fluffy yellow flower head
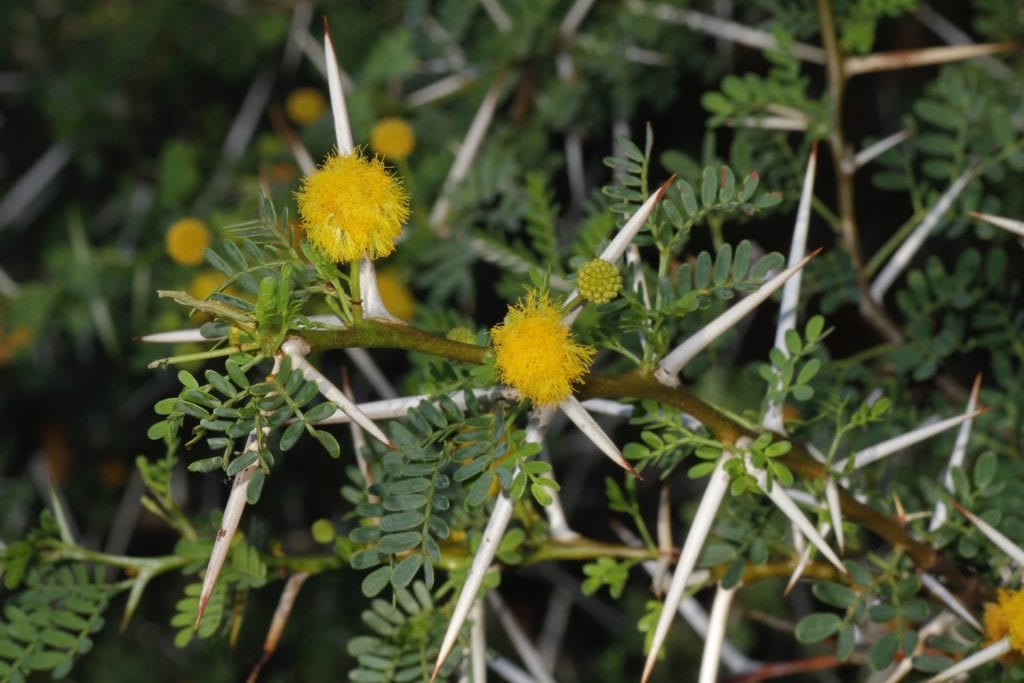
(352, 206)
(393, 138)
(1006, 618)
(536, 354)
(186, 241)
(305, 105)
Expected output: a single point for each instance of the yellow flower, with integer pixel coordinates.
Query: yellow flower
(352, 206)
(1006, 618)
(395, 294)
(186, 241)
(206, 283)
(536, 354)
(305, 105)
(393, 138)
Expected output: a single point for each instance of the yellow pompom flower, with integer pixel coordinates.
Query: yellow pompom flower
(305, 105)
(1006, 618)
(393, 138)
(186, 241)
(395, 294)
(352, 206)
(536, 354)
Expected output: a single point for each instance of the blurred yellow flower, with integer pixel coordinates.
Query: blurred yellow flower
(352, 206)
(536, 354)
(393, 138)
(395, 294)
(206, 283)
(1006, 618)
(186, 241)
(305, 105)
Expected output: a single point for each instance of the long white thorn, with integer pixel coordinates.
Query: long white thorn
(716, 635)
(989, 654)
(901, 259)
(478, 644)
(956, 458)
(718, 483)
(369, 291)
(497, 14)
(177, 337)
(670, 365)
(936, 626)
(588, 425)
(882, 450)
(873, 151)
(805, 558)
(835, 510)
(493, 532)
(233, 510)
(722, 28)
(1008, 224)
(787, 507)
(933, 586)
(392, 408)
(520, 641)
(297, 350)
(1014, 551)
(342, 127)
(791, 290)
(465, 156)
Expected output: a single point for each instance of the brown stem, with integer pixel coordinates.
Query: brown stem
(837, 143)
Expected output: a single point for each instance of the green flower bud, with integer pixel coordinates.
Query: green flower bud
(599, 281)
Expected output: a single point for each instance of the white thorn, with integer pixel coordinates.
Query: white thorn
(835, 511)
(478, 644)
(879, 148)
(949, 600)
(177, 337)
(901, 259)
(493, 532)
(886, 448)
(369, 291)
(940, 624)
(342, 127)
(716, 634)
(527, 652)
(718, 483)
(1008, 224)
(670, 365)
(588, 425)
(956, 458)
(1014, 551)
(722, 28)
(297, 349)
(788, 507)
(791, 291)
(497, 15)
(574, 17)
(465, 156)
(805, 558)
(989, 654)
